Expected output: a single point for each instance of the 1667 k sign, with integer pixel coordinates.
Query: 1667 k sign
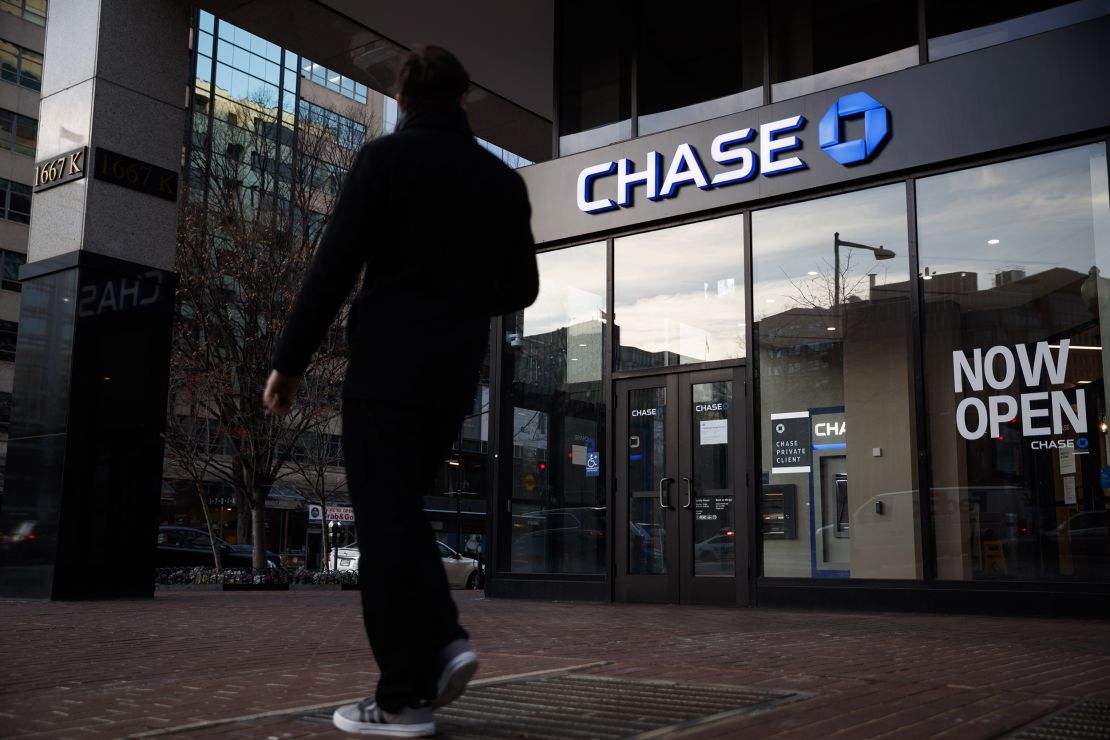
(65, 167)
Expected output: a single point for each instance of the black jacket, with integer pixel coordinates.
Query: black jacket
(442, 229)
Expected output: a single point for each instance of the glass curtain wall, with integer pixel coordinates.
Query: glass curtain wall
(682, 78)
(831, 297)
(554, 358)
(817, 45)
(955, 28)
(1012, 257)
(679, 295)
(594, 76)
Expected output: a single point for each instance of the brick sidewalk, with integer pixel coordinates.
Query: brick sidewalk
(192, 660)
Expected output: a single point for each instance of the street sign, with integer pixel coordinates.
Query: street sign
(340, 514)
(334, 513)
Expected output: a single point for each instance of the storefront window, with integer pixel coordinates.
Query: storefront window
(1013, 256)
(554, 355)
(456, 503)
(816, 45)
(835, 387)
(679, 295)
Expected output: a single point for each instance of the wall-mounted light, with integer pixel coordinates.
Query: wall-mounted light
(1102, 426)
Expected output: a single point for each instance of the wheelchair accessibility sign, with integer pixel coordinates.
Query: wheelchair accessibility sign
(593, 464)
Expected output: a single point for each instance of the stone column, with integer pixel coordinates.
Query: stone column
(88, 410)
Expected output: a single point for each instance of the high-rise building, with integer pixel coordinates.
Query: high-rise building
(22, 38)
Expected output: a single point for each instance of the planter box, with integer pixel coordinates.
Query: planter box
(187, 587)
(314, 586)
(256, 587)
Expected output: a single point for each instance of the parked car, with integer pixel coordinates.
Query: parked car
(30, 542)
(347, 557)
(188, 547)
(567, 540)
(461, 572)
(720, 548)
(1087, 534)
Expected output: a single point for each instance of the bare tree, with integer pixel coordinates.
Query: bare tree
(189, 443)
(319, 463)
(260, 192)
(817, 291)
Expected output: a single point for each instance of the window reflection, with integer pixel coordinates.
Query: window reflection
(714, 540)
(1013, 259)
(975, 24)
(647, 464)
(679, 295)
(595, 102)
(698, 76)
(816, 46)
(554, 355)
(836, 393)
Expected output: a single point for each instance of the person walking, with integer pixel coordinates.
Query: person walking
(440, 228)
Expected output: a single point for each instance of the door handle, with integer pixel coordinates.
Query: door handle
(689, 494)
(663, 482)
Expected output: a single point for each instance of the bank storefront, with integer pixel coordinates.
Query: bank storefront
(843, 349)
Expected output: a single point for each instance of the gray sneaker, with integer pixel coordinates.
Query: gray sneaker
(458, 664)
(367, 718)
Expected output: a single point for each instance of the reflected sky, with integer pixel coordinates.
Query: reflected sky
(792, 248)
(572, 289)
(682, 290)
(1030, 215)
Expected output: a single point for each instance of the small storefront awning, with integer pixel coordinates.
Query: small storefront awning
(285, 498)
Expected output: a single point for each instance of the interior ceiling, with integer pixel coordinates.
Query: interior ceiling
(506, 45)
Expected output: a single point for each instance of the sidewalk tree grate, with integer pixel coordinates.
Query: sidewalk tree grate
(1086, 720)
(587, 706)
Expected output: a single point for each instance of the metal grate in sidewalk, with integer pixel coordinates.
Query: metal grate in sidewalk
(586, 706)
(1085, 720)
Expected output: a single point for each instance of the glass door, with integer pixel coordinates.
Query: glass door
(680, 535)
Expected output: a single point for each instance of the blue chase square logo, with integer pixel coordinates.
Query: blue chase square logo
(876, 128)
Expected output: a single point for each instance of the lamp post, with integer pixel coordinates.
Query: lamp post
(881, 253)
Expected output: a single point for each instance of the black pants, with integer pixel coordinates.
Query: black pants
(393, 452)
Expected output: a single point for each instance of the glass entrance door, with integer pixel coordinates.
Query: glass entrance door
(681, 534)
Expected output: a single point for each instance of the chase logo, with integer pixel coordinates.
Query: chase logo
(876, 128)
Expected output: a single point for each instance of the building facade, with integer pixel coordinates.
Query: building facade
(820, 312)
(821, 290)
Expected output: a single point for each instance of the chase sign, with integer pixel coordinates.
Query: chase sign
(732, 149)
